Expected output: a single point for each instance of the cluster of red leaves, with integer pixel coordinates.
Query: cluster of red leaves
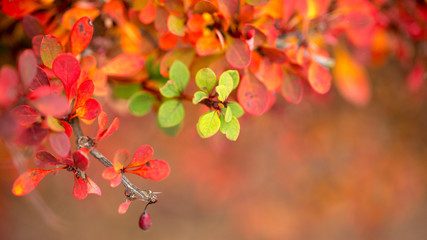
(77, 163)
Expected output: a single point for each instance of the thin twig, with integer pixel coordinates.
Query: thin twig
(133, 192)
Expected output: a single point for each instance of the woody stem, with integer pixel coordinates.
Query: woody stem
(85, 141)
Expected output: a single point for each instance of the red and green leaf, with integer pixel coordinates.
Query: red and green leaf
(84, 93)
(81, 35)
(89, 111)
(29, 180)
(253, 95)
(50, 48)
(238, 54)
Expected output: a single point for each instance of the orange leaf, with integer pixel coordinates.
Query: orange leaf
(29, 180)
(84, 92)
(208, 45)
(119, 159)
(168, 41)
(123, 207)
(292, 89)
(350, 78)
(102, 122)
(319, 77)
(111, 175)
(124, 65)
(176, 25)
(196, 23)
(89, 111)
(253, 95)
(81, 35)
(71, 16)
(141, 156)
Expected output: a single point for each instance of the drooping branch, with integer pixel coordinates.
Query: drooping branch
(132, 192)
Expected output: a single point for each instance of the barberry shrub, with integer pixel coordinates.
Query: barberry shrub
(228, 57)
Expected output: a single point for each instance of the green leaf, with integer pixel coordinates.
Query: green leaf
(222, 92)
(208, 124)
(170, 131)
(206, 80)
(180, 74)
(226, 80)
(199, 96)
(140, 103)
(171, 113)
(234, 74)
(228, 114)
(125, 91)
(230, 129)
(170, 89)
(236, 109)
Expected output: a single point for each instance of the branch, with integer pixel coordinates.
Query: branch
(132, 191)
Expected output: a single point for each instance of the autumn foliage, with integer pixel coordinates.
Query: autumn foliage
(228, 57)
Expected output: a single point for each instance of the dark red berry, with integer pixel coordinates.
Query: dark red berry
(145, 221)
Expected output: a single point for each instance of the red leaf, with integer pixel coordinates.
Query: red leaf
(148, 14)
(228, 7)
(67, 127)
(119, 159)
(25, 115)
(292, 89)
(81, 35)
(415, 78)
(123, 207)
(80, 189)
(33, 135)
(32, 26)
(84, 93)
(90, 110)
(274, 54)
(27, 65)
(145, 221)
(102, 132)
(160, 22)
(319, 77)
(92, 187)
(39, 80)
(37, 42)
(19, 8)
(66, 67)
(8, 86)
(124, 65)
(154, 169)
(48, 158)
(253, 95)
(50, 48)
(60, 143)
(111, 175)
(81, 160)
(49, 104)
(141, 156)
(29, 180)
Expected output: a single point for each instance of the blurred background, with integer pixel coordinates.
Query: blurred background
(323, 169)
